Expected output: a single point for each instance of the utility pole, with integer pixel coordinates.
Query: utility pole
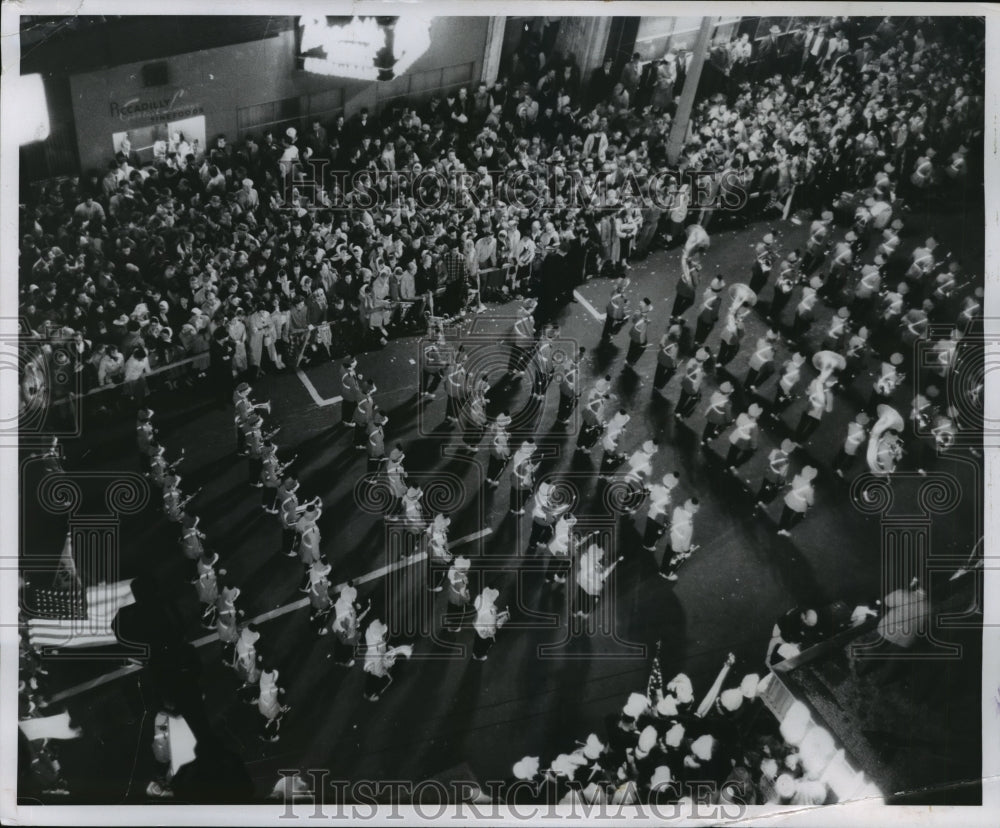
(682, 117)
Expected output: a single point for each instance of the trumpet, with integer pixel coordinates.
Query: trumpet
(184, 502)
(264, 405)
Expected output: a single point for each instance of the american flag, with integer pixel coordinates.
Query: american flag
(76, 617)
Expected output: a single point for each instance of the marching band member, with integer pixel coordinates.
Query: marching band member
(761, 360)
(488, 621)
(270, 706)
(395, 474)
(364, 412)
(681, 532)
(886, 383)
(543, 515)
(637, 335)
(820, 397)
(711, 305)
(598, 400)
(590, 579)
(191, 538)
(318, 592)
(800, 497)
(350, 391)
(438, 555)
(207, 587)
(666, 357)
(857, 434)
(346, 625)
(744, 437)
(569, 387)
(719, 413)
(610, 441)
(560, 547)
(885, 446)
(522, 480)
(308, 537)
(660, 495)
(379, 660)
(458, 593)
(791, 373)
(455, 386)
(499, 442)
(227, 618)
(694, 375)
(615, 313)
(775, 474)
(788, 278)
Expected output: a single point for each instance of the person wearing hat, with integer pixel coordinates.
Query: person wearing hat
(775, 473)
(681, 533)
(145, 438)
(364, 414)
(660, 495)
(544, 514)
(561, 547)
(790, 375)
(288, 511)
(666, 357)
(800, 497)
(350, 391)
(694, 376)
(841, 258)
(499, 443)
(395, 473)
(455, 385)
(708, 313)
(569, 387)
(732, 335)
(227, 621)
(459, 597)
(522, 481)
(542, 363)
(816, 246)
(639, 467)
(271, 475)
(857, 436)
(820, 401)
(611, 440)
(254, 441)
(886, 383)
(921, 266)
(191, 538)
(719, 412)
(269, 705)
(805, 309)
(318, 592)
(375, 445)
(308, 537)
(784, 284)
(687, 284)
(590, 579)
(345, 625)
(594, 414)
(744, 437)
(488, 621)
(207, 587)
(638, 336)
(434, 361)
(439, 557)
(616, 311)
(246, 662)
(763, 261)
(474, 416)
(761, 361)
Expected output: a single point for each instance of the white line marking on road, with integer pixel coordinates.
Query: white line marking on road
(270, 615)
(316, 398)
(590, 308)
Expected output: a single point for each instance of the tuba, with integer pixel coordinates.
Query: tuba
(883, 437)
(827, 362)
(741, 295)
(697, 239)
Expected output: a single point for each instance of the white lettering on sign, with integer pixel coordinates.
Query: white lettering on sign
(144, 109)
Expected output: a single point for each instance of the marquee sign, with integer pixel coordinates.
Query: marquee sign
(165, 106)
(362, 48)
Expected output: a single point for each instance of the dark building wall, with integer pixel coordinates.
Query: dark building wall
(247, 86)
